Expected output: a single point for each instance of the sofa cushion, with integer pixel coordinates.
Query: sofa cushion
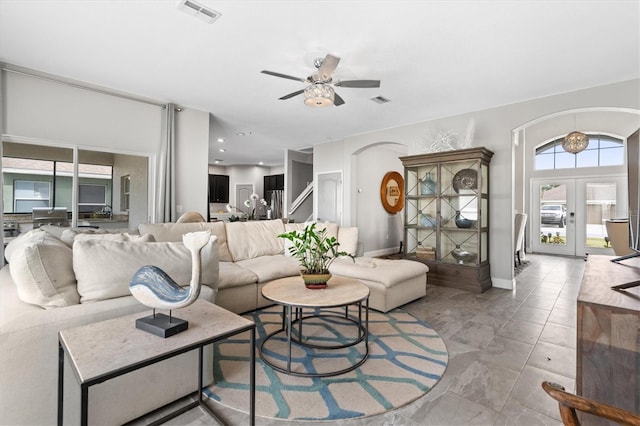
(232, 275)
(272, 267)
(55, 230)
(385, 271)
(348, 239)
(332, 231)
(332, 228)
(248, 240)
(41, 267)
(125, 237)
(104, 268)
(173, 232)
(67, 234)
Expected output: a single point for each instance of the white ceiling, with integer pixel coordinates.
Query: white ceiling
(434, 58)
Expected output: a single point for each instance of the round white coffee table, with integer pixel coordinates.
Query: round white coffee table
(294, 297)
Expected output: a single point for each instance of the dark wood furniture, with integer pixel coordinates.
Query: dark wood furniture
(608, 335)
(272, 183)
(569, 403)
(446, 212)
(218, 188)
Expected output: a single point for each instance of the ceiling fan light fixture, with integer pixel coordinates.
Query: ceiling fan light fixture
(319, 95)
(575, 142)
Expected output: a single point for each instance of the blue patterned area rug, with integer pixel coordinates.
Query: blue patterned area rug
(406, 359)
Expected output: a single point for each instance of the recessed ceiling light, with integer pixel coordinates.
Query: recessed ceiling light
(240, 133)
(217, 161)
(220, 140)
(261, 163)
(222, 150)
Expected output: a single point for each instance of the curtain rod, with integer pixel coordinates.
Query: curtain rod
(81, 86)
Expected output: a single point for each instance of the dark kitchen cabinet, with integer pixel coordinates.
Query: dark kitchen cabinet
(272, 183)
(218, 188)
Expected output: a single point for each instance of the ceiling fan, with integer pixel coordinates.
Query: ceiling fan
(320, 92)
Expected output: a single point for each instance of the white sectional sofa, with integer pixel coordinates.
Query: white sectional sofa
(57, 280)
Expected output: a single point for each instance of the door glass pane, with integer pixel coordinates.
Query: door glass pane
(553, 216)
(601, 206)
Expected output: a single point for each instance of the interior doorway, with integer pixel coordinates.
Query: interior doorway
(327, 198)
(243, 192)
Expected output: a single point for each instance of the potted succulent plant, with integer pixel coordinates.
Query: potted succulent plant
(315, 251)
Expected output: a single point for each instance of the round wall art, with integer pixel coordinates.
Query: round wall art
(392, 192)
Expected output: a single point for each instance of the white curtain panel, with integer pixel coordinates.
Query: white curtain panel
(166, 203)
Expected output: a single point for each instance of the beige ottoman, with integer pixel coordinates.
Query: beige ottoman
(392, 282)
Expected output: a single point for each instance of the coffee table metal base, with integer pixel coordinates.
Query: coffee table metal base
(288, 324)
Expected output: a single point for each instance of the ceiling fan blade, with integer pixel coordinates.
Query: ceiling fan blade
(358, 83)
(291, 95)
(290, 77)
(328, 66)
(337, 100)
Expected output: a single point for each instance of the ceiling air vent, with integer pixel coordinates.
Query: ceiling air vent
(380, 100)
(199, 11)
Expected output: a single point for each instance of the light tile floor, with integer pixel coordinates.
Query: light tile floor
(502, 345)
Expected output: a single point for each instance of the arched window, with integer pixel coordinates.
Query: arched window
(601, 151)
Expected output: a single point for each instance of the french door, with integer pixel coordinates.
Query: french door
(568, 216)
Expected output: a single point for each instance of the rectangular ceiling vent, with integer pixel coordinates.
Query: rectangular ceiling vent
(199, 11)
(380, 100)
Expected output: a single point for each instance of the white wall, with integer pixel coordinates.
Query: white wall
(52, 111)
(245, 175)
(192, 164)
(493, 130)
(379, 231)
(138, 169)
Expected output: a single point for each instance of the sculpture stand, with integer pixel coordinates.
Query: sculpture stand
(162, 325)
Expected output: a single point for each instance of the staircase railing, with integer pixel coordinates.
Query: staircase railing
(300, 199)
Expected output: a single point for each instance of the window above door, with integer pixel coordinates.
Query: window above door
(602, 151)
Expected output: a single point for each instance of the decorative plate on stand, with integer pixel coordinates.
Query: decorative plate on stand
(465, 179)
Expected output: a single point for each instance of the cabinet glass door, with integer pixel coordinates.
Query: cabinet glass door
(460, 211)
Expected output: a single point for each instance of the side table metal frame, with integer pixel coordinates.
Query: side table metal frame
(84, 387)
(288, 326)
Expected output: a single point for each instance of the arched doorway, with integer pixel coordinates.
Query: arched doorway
(582, 196)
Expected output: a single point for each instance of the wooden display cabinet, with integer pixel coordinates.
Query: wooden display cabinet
(446, 222)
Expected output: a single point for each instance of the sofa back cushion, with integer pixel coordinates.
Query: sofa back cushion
(248, 240)
(348, 239)
(332, 228)
(41, 267)
(124, 237)
(104, 268)
(67, 234)
(173, 232)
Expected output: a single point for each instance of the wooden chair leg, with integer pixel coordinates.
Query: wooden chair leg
(569, 403)
(568, 415)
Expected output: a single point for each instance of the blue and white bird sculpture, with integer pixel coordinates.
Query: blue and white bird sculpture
(154, 288)
(463, 222)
